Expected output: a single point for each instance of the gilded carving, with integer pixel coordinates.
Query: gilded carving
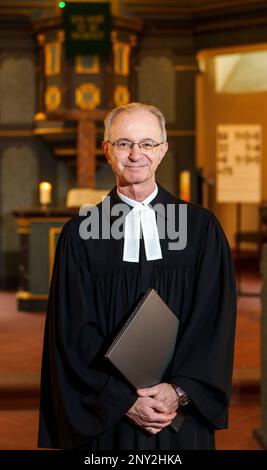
(121, 53)
(87, 96)
(87, 64)
(121, 95)
(52, 98)
(52, 52)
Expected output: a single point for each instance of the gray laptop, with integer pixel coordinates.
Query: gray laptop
(144, 347)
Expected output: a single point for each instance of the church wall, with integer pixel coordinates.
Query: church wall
(165, 77)
(164, 74)
(233, 108)
(24, 159)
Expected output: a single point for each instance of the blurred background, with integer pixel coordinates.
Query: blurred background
(63, 65)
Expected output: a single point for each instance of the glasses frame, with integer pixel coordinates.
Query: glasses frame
(155, 145)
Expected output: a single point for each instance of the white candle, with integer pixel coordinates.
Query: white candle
(45, 191)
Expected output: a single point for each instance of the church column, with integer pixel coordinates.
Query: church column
(185, 132)
(40, 77)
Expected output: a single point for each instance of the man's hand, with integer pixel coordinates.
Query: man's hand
(163, 393)
(150, 414)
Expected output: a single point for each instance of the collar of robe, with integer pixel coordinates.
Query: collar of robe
(141, 217)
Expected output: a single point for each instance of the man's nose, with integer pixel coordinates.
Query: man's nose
(135, 152)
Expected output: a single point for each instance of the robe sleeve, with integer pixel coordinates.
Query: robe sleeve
(203, 360)
(80, 397)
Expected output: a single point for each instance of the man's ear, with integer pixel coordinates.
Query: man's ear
(163, 150)
(105, 150)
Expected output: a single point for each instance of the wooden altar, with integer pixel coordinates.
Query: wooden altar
(38, 231)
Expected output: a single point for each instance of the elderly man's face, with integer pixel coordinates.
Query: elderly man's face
(135, 165)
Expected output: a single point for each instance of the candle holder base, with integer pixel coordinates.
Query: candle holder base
(45, 207)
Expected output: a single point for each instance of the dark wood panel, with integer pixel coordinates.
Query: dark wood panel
(158, 7)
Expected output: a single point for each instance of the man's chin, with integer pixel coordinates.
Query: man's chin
(135, 180)
(135, 177)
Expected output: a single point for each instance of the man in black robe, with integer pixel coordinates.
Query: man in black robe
(97, 281)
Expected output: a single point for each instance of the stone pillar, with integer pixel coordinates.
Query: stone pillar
(86, 164)
(185, 132)
(40, 76)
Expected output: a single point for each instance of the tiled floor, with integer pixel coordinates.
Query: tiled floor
(21, 336)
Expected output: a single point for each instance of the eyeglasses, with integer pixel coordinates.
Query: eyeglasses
(124, 146)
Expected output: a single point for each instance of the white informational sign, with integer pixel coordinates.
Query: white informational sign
(238, 169)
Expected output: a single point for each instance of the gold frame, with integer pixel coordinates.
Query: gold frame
(49, 72)
(80, 68)
(91, 88)
(124, 70)
(27, 295)
(53, 231)
(26, 222)
(121, 91)
(52, 106)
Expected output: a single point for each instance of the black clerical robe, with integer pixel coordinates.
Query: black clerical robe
(83, 399)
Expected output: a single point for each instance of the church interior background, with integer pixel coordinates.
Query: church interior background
(204, 64)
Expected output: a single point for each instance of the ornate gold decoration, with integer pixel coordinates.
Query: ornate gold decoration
(87, 96)
(52, 98)
(52, 52)
(87, 64)
(121, 53)
(121, 95)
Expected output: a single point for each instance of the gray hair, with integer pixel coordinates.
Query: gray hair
(132, 107)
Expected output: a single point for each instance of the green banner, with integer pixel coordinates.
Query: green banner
(87, 29)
